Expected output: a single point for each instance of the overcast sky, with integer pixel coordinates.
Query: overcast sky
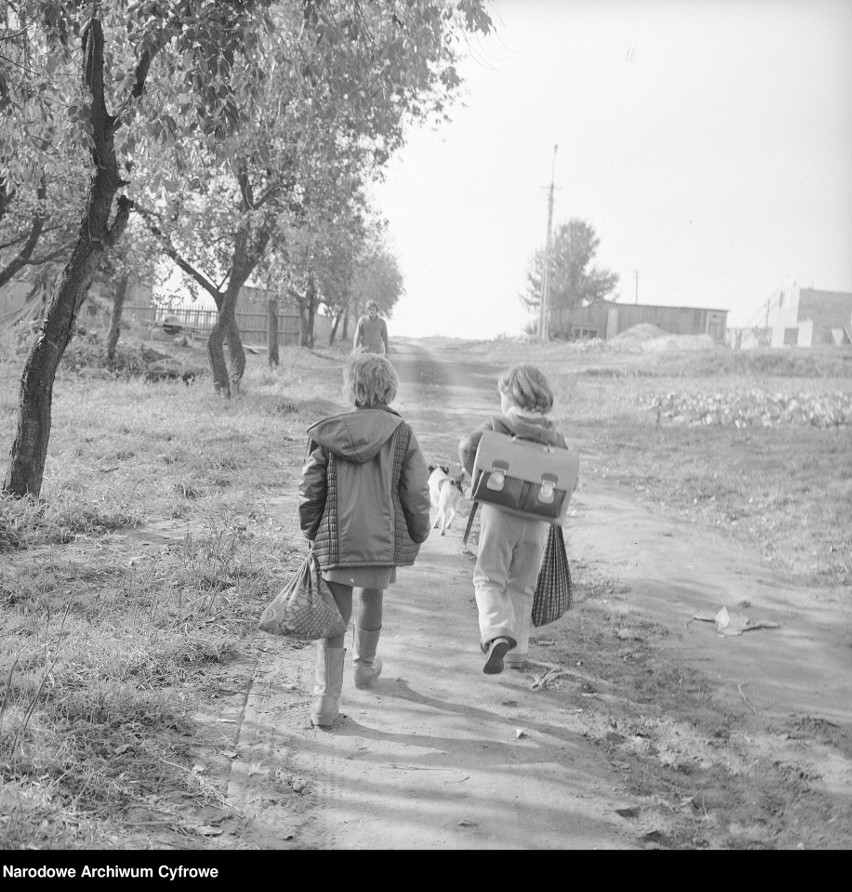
(707, 142)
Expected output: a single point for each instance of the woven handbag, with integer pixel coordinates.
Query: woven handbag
(553, 592)
(305, 608)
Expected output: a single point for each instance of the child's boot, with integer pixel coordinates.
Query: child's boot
(329, 682)
(366, 664)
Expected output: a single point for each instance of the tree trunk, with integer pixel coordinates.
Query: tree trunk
(245, 258)
(216, 355)
(307, 310)
(304, 324)
(236, 353)
(333, 332)
(226, 375)
(272, 332)
(29, 448)
(344, 335)
(118, 297)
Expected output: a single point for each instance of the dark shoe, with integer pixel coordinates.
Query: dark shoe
(496, 651)
(484, 645)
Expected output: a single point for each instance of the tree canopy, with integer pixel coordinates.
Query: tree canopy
(229, 125)
(572, 282)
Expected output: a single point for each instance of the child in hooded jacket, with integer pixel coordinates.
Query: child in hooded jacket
(364, 506)
(511, 547)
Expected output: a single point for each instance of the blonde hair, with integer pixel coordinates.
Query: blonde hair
(369, 380)
(527, 388)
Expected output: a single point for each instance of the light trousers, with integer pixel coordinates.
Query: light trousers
(507, 566)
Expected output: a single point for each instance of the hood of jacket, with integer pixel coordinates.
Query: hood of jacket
(356, 436)
(531, 427)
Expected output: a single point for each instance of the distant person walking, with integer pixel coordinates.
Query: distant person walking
(371, 333)
(364, 504)
(511, 548)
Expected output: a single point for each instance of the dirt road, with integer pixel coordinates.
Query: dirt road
(637, 726)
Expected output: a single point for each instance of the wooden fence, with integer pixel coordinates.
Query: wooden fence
(251, 324)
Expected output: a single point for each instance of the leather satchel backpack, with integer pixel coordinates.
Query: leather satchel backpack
(523, 477)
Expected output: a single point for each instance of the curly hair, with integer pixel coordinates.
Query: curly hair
(369, 380)
(526, 386)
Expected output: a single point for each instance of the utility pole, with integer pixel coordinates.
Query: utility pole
(543, 328)
(636, 273)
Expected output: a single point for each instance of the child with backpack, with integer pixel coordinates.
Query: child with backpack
(510, 546)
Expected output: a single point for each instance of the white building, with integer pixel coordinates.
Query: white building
(806, 317)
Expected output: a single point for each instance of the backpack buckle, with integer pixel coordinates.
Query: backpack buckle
(547, 489)
(497, 477)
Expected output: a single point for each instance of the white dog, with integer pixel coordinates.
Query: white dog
(445, 493)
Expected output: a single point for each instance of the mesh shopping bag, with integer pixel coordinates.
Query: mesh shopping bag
(553, 591)
(305, 607)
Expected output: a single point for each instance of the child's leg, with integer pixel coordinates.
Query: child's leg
(370, 608)
(343, 598)
(491, 574)
(367, 666)
(523, 576)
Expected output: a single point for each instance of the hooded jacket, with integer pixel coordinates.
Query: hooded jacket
(522, 425)
(364, 494)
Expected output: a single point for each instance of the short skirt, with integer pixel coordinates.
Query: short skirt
(361, 577)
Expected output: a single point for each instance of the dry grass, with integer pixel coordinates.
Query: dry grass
(165, 523)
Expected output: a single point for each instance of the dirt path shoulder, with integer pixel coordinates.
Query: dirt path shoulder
(637, 725)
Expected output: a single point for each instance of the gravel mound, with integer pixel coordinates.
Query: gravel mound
(644, 331)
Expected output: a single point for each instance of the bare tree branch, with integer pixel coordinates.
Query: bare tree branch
(151, 220)
(36, 227)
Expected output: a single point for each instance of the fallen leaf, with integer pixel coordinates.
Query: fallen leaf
(653, 836)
